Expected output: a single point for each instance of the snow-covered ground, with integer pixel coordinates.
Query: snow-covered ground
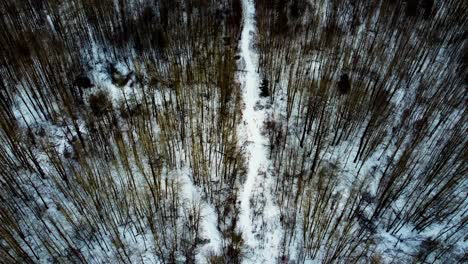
(208, 214)
(256, 190)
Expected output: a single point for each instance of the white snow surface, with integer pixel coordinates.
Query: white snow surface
(192, 193)
(257, 186)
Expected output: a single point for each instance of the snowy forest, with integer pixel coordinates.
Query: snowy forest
(234, 131)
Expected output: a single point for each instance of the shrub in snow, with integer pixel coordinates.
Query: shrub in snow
(100, 103)
(83, 81)
(131, 110)
(119, 78)
(344, 84)
(264, 88)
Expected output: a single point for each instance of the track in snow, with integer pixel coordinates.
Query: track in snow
(263, 243)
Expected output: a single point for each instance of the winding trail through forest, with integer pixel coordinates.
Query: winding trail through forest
(258, 221)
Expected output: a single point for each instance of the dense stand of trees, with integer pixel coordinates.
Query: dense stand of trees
(106, 104)
(368, 126)
(85, 173)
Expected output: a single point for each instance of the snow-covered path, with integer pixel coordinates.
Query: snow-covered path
(259, 222)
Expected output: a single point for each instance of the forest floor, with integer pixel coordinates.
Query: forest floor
(258, 209)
